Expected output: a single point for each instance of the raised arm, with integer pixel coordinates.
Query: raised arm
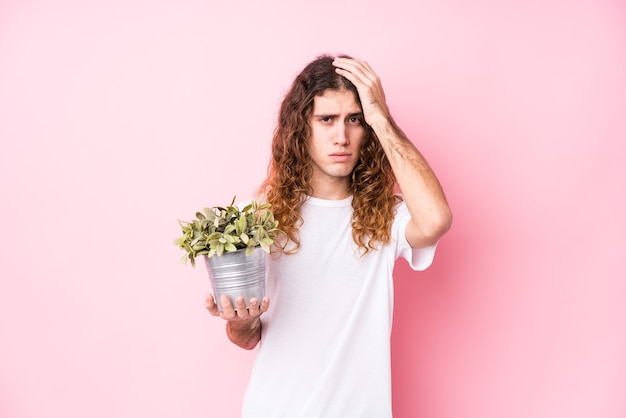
(430, 214)
(243, 326)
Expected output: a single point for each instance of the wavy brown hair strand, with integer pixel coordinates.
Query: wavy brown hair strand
(374, 198)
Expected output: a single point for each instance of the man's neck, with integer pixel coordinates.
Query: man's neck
(330, 191)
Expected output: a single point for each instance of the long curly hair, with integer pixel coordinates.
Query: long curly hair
(289, 172)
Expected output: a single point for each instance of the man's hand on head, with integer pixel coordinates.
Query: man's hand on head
(368, 85)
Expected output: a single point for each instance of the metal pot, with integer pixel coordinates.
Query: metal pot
(235, 274)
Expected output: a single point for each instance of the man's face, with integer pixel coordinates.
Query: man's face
(337, 132)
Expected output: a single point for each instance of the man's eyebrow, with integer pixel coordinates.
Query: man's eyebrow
(335, 115)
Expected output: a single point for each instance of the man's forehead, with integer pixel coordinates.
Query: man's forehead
(335, 101)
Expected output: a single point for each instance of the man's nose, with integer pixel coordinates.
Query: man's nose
(341, 134)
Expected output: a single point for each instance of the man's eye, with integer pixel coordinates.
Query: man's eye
(355, 120)
(326, 119)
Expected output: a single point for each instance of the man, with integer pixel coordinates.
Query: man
(336, 157)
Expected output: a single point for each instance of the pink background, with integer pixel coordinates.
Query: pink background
(119, 117)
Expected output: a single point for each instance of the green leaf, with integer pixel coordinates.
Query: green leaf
(214, 236)
(232, 239)
(241, 224)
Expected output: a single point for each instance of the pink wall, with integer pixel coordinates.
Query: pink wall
(112, 121)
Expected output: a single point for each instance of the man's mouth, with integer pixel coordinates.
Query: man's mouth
(340, 156)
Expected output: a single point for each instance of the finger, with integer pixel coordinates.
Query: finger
(228, 311)
(348, 62)
(349, 71)
(361, 81)
(242, 310)
(350, 76)
(210, 305)
(360, 69)
(257, 309)
(265, 305)
(254, 307)
(346, 65)
(367, 67)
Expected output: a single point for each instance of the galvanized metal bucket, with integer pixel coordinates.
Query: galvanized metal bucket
(236, 274)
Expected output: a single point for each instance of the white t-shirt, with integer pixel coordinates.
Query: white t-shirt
(325, 343)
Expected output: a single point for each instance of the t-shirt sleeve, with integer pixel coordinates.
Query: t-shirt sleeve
(418, 258)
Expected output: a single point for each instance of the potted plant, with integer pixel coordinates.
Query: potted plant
(233, 243)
